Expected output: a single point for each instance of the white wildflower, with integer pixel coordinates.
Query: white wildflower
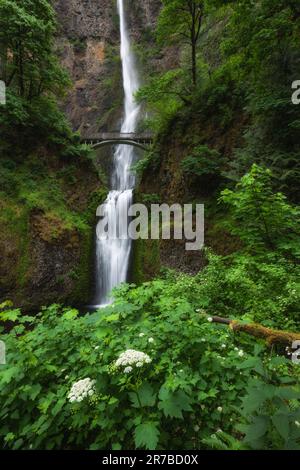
(241, 353)
(141, 335)
(219, 430)
(196, 428)
(220, 409)
(127, 370)
(131, 358)
(223, 346)
(151, 340)
(209, 319)
(81, 389)
(236, 349)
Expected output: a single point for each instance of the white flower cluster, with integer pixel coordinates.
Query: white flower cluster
(131, 358)
(239, 351)
(82, 389)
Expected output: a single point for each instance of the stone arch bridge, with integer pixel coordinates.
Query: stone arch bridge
(140, 140)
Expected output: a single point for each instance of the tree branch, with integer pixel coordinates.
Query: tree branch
(259, 331)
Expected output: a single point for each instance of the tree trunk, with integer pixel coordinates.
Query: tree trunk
(194, 64)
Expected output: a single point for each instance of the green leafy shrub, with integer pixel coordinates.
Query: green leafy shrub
(243, 286)
(262, 219)
(261, 49)
(272, 414)
(203, 161)
(190, 390)
(34, 81)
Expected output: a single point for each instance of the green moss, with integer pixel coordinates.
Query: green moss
(37, 198)
(82, 274)
(22, 227)
(146, 260)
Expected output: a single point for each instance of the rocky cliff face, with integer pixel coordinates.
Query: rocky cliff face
(46, 248)
(165, 179)
(88, 43)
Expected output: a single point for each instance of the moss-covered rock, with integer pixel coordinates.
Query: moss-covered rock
(47, 227)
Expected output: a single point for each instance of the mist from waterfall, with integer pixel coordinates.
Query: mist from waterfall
(113, 254)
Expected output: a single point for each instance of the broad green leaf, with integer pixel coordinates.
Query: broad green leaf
(173, 403)
(70, 314)
(112, 318)
(256, 429)
(281, 423)
(58, 406)
(144, 396)
(146, 435)
(10, 315)
(116, 446)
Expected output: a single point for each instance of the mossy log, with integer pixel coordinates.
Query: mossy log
(281, 337)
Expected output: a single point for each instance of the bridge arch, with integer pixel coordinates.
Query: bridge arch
(104, 143)
(114, 138)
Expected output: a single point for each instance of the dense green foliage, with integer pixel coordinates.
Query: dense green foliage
(261, 46)
(247, 58)
(204, 387)
(41, 158)
(189, 392)
(263, 220)
(34, 80)
(204, 164)
(239, 135)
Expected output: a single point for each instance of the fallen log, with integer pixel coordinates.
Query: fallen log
(271, 336)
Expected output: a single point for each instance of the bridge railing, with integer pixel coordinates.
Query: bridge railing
(137, 137)
(123, 135)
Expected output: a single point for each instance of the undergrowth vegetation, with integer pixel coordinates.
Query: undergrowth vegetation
(195, 384)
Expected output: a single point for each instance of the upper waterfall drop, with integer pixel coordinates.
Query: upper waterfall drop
(122, 178)
(113, 253)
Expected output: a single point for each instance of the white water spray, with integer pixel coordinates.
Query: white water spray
(113, 254)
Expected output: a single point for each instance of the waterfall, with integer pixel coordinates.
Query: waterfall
(113, 254)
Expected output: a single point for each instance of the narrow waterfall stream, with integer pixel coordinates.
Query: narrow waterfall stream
(113, 253)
